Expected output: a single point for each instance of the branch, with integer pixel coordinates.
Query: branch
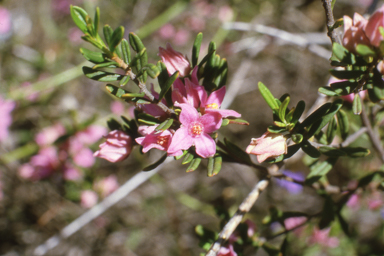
(97, 210)
(232, 224)
(332, 33)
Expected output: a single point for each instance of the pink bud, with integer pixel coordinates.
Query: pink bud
(270, 145)
(117, 147)
(174, 61)
(372, 27)
(107, 185)
(354, 32)
(88, 198)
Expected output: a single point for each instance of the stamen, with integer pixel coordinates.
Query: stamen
(162, 140)
(212, 106)
(196, 128)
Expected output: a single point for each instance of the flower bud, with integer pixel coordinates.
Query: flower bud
(270, 145)
(372, 27)
(174, 61)
(117, 147)
(354, 32)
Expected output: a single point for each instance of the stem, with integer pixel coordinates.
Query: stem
(333, 35)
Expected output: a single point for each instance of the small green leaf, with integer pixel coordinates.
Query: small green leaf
(147, 119)
(283, 109)
(116, 38)
(333, 152)
(238, 121)
(300, 107)
(356, 105)
(225, 122)
(135, 62)
(133, 95)
(126, 51)
(328, 91)
(107, 31)
(319, 169)
(342, 120)
(268, 97)
(297, 138)
(151, 69)
(317, 114)
(165, 125)
(96, 22)
(95, 57)
(310, 150)
(238, 153)
(343, 54)
(187, 158)
(124, 81)
(214, 165)
(328, 213)
(114, 90)
(276, 129)
(109, 64)
(344, 87)
(113, 124)
(79, 17)
(196, 49)
(156, 164)
(355, 152)
(365, 50)
(101, 76)
(194, 164)
(168, 85)
(331, 130)
(347, 74)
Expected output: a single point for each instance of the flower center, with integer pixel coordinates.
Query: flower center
(162, 140)
(212, 106)
(196, 128)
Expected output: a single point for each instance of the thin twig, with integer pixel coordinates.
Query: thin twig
(232, 224)
(97, 210)
(376, 142)
(332, 33)
(281, 34)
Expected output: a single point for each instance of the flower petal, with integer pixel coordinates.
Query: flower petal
(188, 114)
(205, 145)
(216, 97)
(211, 121)
(181, 140)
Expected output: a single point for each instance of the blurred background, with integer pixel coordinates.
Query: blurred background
(46, 184)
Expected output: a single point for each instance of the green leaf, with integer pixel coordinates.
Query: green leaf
(151, 69)
(135, 62)
(343, 54)
(168, 85)
(292, 150)
(97, 21)
(355, 152)
(317, 114)
(300, 107)
(238, 121)
(187, 158)
(194, 164)
(126, 51)
(328, 213)
(319, 169)
(310, 150)
(124, 81)
(107, 31)
(276, 129)
(147, 119)
(101, 76)
(333, 152)
(79, 17)
(225, 122)
(196, 49)
(214, 165)
(113, 124)
(333, 4)
(297, 138)
(116, 38)
(95, 57)
(347, 74)
(237, 153)
(156, 164)
(356, 104)
(365, 50)
(131, 96)
(222, 73)
(328, 91)
(344, 87)
(182, 155)
(268, 97)
(110, 64)
(138, 46)
(331, 130)
(342, 120)
(365, 180)
(165, 125)
(283, 109)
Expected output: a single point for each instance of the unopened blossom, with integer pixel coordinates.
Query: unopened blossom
(117, 147)
(227, 251)
(354, 32)
(152, 108)
(71, 173)
(372, 27)
(251, 227)
(88, 198)
(294, 222)
(269, 145)
(154, 139)
(195, 130)
(106, 185)
(213, 103)
(174, 61)
(6, 107)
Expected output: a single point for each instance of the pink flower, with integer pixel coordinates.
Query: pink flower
(88, 198)
(372, 27)
(354, 32)
(167, 31)
(293, 222)
(181, 37)
(6, 107)
(91, 134)
(117, 107)
(107, 185)
(5, 23)
(49, 134)
(72, 173)
(213, 103)
(84, 158)
(350, 97)
(117, 147)
(154, 139)
(251, 227)
(227, 251)
(322, 237)
(269, 145)
(154, 109)
(195, 131)
(174, 61)
(186, 94)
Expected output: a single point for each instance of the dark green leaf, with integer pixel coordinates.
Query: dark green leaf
(194, 164)
(118, 92)
(344, 225)
(268, 97)
(187, 158)
(152, 70)
(95, 57)
(332, 152)
(156, 164)
(165, 125)
(79, 17)
(168, 85)
(300, 107)
(356, 151)
(310, 150)
(344, 87)
(110, 64)
(331, 130)
(116, 38)
(316, 115)
(214, 165)
(347, 74)
(297, 138)
(147, 119)
(328, 213)
(276, 129)
(342, 120)
(126, 51)
(102, 76)
(108, 31)
(196, 49)
(113, 124)
(237, 153)
(283, 108)
(135, 62)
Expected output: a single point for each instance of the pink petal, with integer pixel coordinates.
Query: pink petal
(194, 78)
(216, 97)
(84, 158)
(188, 114)
(211, 121)
(224, 112)
(205, 145)
(181, 140)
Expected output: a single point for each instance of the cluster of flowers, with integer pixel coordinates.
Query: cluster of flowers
(199, 118)
(66, 159)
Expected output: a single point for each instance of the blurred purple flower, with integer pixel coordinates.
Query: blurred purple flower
(291, 186)
(6, 107)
